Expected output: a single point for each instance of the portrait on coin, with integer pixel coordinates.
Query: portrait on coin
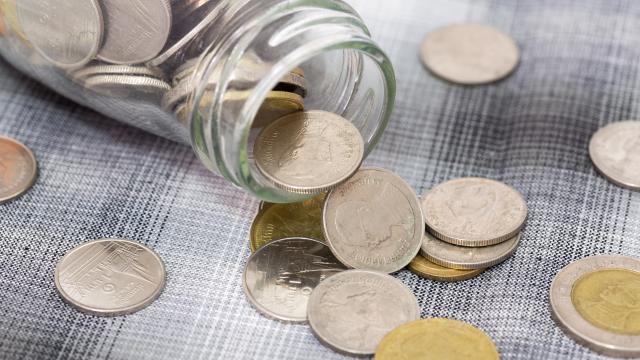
(310, 149)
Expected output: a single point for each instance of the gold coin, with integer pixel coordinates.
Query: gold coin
(438, 339)
(429, 270)
(280, 221)
(18, 169)
(609, 299)
(276, 105)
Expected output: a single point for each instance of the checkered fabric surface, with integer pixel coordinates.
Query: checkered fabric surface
(99, 178)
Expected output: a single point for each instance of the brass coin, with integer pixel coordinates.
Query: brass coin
(280, 221)
(438, 339)
(276, 105)
(433, 271)
(18, 169)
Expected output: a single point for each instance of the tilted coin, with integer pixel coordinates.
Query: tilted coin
(470, 54)
(107, 69)
(467, 258)
(280, 276)
(18, 169)
(119, 85)
(66, 33)
(279, 221)
(309, 152)
(374, 221)
(474, 211)
(353, 310)
(433, 271)
(110, 277)
(596, 301)
(615, 151)
(137, 30)
(437, 339)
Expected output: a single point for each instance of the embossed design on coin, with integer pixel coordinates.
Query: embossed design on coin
(474, 212)
(110, 277)
(374, 221)
(615, 151)
(433, 271)
(280, 276)
(470, 54)
(66, 33)
(353, 310)
(18, 169)
(437, 339)
(596, 301)
(309, 152)
(467, 258)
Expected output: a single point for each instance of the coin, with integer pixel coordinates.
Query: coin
(309, 152)
(279, 221)
(353, 310)
(474, 212)
(119, 85)
(137, 30)
(467, 258)
(615, 151)
(110, 277)
(470, 54)
(433, 271)
(107, 69)
(374, 221)
(18, 169)
(437, 339)
(596, 301)
(66, 33)
(280, 276)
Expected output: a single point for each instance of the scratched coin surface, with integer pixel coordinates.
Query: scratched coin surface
(615, 151)
(309, 152)
(437, 339)
(279, 221)
(430, 270)
(596, 301)
(279, 277)
(467, 258)
(474, 212)
(374, 221)
(353, 310)
(470, 54)
(136, 30)
(18, 169)
(66, 33)
(110, 277)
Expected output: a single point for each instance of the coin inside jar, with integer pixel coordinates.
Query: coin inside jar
(615, 151)
(18, 169)
(430, 270)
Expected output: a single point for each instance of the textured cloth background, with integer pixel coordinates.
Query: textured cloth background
(98, 178)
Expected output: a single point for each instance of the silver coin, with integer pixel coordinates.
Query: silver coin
(18, 169)
(374, 221)
(66, 33)
(122, 85)
(309, 152)
(470, 54)
(136, 30)
(106, 69)
(352, 311)
(467, 258)
(596, 301)
(615, 151)
(110, 277)
(279, 277)
(474, 212)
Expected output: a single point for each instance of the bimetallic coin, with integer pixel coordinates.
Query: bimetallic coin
(374, 221)
(353, 310)
(309, 152)
(433, 271)
(467, 258)
(66, 33)
(279, 221)
(18, 169)
(137, 30)
(470, 54)
(437, 339)
(110, 277)
(615, 151)
(280, 276)
(474, 212)
(596, 301)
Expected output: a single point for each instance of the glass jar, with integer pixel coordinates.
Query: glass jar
(225, 69)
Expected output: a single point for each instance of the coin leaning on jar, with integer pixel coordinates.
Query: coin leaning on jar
(18, 169)
(615, 152)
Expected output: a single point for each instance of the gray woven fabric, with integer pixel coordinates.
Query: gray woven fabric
(100, 178)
